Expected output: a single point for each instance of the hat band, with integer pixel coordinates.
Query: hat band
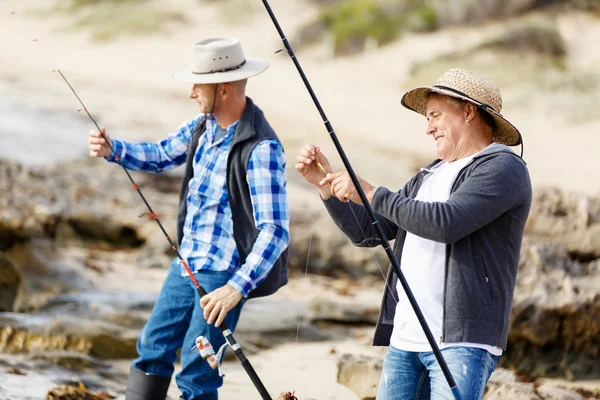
(480, 104)
(214, 71)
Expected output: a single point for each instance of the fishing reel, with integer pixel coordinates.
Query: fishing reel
(207, 352)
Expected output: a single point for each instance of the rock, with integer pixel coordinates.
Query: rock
(92, 226)
(86, 202)
(27, 205)
(127, 310)
(336, 300)
(10, 283)
(269, 322)
(555, 328)
(28, 334)
(72, 361)
(315, 238)
(44, 276)
(69, 392)
(568, 219)
(272, 315)
(361, 374)
(476, 11)
(503, 384)
(539, 36)
(551, 392)
(353, 311)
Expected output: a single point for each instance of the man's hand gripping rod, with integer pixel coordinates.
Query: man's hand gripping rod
(208, 352)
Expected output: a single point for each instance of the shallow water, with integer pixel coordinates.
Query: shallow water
(36, 136)
(35, 377)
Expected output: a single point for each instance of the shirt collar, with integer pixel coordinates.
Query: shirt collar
(211, 126)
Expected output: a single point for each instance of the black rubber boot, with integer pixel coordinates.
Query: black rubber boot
(143, 386)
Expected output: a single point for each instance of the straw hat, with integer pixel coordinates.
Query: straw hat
(468, 86)
(219, 60)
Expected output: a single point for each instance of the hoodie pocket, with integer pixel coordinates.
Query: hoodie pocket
(484, 278)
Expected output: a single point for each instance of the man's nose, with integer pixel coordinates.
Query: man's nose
(430, 129)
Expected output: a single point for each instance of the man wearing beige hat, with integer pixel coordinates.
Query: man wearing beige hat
(232, 225)
(458, 226)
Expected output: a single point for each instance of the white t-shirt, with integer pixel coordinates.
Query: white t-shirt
(423, 264)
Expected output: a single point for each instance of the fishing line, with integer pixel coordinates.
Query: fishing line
(116, 157)
(312, 232)
(372, 250)
(34, 40)
(253, 6)
(241, 5)
(56, 69)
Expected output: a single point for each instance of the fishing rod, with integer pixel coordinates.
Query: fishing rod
(205, 350)
(384, 242)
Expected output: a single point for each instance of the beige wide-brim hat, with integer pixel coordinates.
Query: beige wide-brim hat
(468, 86)
(219, 60)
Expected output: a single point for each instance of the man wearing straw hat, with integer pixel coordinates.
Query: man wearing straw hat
(458, 225)
(233, 220)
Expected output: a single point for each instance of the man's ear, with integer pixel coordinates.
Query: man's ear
(226, 89)
(470, 112)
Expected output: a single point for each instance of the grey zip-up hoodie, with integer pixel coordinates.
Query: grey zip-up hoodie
(482, 224)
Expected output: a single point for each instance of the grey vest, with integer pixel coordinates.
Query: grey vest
(252, 129)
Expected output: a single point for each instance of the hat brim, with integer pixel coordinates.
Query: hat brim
(252, 67)
(505, 132)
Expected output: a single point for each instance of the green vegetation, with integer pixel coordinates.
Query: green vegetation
(358, 20)
(109, 19)
(354, 22)
(351, 26)
(579, 4)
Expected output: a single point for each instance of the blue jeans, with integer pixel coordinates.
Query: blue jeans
(415, 376)
(175, 322)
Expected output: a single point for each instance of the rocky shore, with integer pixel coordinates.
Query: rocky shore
(81, 263)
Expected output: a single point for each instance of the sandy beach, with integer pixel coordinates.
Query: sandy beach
(126, 83)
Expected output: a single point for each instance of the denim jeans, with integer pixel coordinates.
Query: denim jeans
(415, 376)
(175, 322)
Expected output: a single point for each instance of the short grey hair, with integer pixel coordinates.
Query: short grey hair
(461, 104)
(240, 84)
(458, 103)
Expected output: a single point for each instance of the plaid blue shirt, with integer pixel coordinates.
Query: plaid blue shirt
(208, 242)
